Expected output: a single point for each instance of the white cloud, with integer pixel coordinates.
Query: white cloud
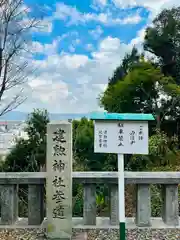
(145, 3)
(138, 43)
(74, 17)
(153, 6)
(47, 49)
(44, 26)
(138, 40)
(101, 2)
(108, 45)
(37, 47)
(47, 90)
(131, 20)
(74, 43)
(74, 61)
(96, 33)
(102, 87)
(72, 82)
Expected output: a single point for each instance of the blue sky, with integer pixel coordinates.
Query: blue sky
(79, 45)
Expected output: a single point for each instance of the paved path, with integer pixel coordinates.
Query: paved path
(80, 236)
(102, 223)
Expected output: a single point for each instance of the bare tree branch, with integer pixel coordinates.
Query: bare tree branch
(16, 27)
(2, 2)
(12, 104)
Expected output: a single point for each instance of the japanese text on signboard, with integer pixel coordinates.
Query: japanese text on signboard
(140, 137)
(129, 137)
(103, 139)
(120, 134)
(133, 136)
(59, 151)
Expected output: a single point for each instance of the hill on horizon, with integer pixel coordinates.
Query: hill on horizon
(21, 116)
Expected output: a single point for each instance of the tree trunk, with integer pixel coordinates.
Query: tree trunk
(158, 122)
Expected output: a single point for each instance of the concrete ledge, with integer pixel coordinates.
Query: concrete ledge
(94, 177)
(22, 178)
(101, 223)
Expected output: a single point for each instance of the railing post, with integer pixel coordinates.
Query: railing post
(114, 204)
(35, 204)
(143, 205)
(9, 204)
(89, 211)
(170, 208)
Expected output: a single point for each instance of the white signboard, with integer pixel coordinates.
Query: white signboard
(126, 137)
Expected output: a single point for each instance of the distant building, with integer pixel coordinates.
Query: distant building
(9, 132)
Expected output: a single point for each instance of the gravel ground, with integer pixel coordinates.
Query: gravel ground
(135, 234)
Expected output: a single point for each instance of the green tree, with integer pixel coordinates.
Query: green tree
(163, 40)
(140, 91)
(83, 148)
(85, 159)
(128, 61)
(29, 154)
(163, 153)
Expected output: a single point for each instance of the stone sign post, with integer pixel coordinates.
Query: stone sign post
(59, 180)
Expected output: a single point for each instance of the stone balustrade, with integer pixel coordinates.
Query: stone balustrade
(35, 180)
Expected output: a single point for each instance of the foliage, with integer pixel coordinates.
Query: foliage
(163, 151)
(100, 202)
(162, 39)
(156, 190)
(77, 199)
(29, 154)
(83, 148)
(156, 201)
(127, 63)
(140, 91)
(133, 86)
(85, 159)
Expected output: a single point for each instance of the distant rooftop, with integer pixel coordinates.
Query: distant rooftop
(9, 131)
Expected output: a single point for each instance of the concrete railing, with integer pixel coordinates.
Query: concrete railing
(169, 180)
